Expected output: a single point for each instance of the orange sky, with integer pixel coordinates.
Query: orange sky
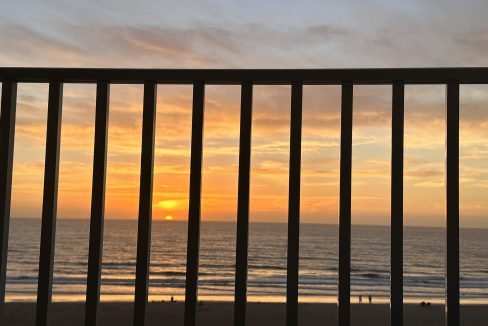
(424, 153)
(270, 34)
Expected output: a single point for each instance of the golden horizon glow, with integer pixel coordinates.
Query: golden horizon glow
(424, 154)
(168, 218)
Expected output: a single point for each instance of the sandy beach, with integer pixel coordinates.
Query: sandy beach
(220, 313)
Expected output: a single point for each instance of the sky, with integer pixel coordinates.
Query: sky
(257, 34)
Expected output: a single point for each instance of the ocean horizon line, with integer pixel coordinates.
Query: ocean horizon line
(251, 222)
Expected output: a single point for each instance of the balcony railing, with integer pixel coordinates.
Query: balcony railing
(347, 78)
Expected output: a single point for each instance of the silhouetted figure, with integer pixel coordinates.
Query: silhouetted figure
(370, 298)
(200, 303)
(428, 304)
(422, 304)
(360, 298)
(172, 299)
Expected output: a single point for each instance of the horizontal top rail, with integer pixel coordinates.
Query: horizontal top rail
(471, 75)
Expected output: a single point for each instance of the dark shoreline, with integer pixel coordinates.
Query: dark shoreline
(221, 313)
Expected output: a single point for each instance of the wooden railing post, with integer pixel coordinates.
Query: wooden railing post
(452, 204)
(294, 205)
(7, 135)
(345, 205)
(396, 256)
(95, 251)
(242, 236)
(50, 203)
(193, 250)
(145, 203)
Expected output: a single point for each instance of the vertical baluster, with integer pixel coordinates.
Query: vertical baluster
(294, 205)
(7, 135)
(194, 204)
(145, 203)
(49, 205)
(95, 252)
(243, 205)
(452, 204)
(396, 282)
(345, 206)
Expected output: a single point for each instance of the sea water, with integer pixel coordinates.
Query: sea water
(424, 262)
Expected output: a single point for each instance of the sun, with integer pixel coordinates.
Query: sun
(168, 218)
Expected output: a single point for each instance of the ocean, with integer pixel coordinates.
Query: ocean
(424, 251)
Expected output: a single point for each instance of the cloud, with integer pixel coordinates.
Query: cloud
(217, 35)
(152, 45)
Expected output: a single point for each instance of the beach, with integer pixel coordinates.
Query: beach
(221, 313)
(424, 275)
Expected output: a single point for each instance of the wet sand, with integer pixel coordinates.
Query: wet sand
(221, 313)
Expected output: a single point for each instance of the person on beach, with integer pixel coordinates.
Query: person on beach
(370, 298)
(360, 299)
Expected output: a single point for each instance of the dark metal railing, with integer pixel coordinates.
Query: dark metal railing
(347, 78)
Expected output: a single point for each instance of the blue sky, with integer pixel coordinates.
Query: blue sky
(257, 34)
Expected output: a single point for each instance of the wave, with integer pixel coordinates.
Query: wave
(370, 271)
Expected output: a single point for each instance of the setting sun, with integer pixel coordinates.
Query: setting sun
(168, 218)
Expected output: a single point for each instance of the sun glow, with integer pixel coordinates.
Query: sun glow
(168, 218)
(169, 204)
